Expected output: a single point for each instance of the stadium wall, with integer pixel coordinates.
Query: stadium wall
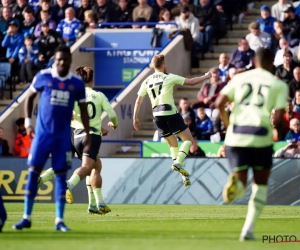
(150, 181)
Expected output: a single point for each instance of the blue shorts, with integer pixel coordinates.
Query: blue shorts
(59, 148)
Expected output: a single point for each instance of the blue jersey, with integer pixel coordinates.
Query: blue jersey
(68, 29)
(57, 98)
(34, 4)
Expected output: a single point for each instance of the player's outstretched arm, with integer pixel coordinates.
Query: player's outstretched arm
(110, 112)
(196, 80)
(220, 104)
(28, 110)
(137, 106)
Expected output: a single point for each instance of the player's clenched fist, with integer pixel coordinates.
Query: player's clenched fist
(111, 125)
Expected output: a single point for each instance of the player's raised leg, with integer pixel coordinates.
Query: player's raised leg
(48, 175)
(3, 215)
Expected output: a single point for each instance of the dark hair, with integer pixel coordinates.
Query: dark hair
(288, 53)
(265, 57)
(63, 49)
(28, 37)
(1, 128)
(28, 10)
(20, 121)
(162, 12)
(86, 73)
(184, 98)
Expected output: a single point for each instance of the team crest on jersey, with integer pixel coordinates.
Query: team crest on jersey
(61, 85)
(49, 84)
(71, 87)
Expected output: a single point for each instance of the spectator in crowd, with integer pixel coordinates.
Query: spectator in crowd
(242, 57)
(4, 148)
(176, 11)
(187, 20)
(158, 6)
(277, 9)
(27, 56)
(256, 38)
(289, 151)
(34, 4)
(285, 70)
(48, 41)
(294, 85)
(89, 22)
(289, 115)
(186, 110)
(12, 41)
(23, 141)
(221, 152)
(195, 150)
(277, 35)
(85, 5)
(231, 73)
(291, 26)
(143, 10)
(165, 16)
(139, 26)
(296, 101)
(208, 19)
(209, 91)
(59, 10)
(44, 18)
(278, 132)
(18, 9)
(69, 27)
(224, 67)
(284, 46)
(6, 20)
(266, 22)
(45, 6)
(5, 4)
(123, 12)
(105, 11)
(204, 125)
(294, 133)
(29, 22)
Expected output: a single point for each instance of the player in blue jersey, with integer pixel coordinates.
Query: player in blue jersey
(3, 216)
(59, 89)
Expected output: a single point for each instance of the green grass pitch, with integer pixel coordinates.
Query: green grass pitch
(155, 227)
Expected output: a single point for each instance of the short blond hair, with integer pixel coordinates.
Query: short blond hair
(157, 61)
(253, 25)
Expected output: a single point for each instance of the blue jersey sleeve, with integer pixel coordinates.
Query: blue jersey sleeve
(81, 92)
(37, 84)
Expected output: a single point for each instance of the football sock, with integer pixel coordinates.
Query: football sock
(31, 191)
(60, 196)
(48, 175)
(92, 200)
(174, 153)
(3, 215)
(73, 181)
(183, 151)
(256, 203)
(98, 196)
(241, 190)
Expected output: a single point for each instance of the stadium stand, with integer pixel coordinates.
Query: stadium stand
(50, 24)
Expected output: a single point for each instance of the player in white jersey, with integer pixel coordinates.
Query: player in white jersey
(96, 101)
(249, 135)
(159, 87)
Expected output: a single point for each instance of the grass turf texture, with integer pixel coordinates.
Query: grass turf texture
(149, 227)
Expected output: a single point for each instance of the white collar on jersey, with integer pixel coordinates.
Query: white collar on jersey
(55, 75)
